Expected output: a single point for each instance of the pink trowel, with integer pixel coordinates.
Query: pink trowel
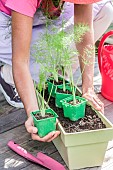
(41, 158)
(48, 160)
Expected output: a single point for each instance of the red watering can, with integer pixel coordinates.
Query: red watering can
(105, 60)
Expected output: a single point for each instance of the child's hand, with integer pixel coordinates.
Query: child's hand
(94, 100)
(34, 132)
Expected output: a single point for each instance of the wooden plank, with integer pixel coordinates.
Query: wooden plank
(10, 117)
(10, 159)
(33, 167)
(109, 112)
(12, 120)
(18, 134)
(110, 145)
(108, 161)
(5, 108)
(104, 100)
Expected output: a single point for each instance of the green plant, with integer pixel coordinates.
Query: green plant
(54, 53)
(54, 50)
(41, 90)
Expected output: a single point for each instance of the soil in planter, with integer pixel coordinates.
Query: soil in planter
(39, 117)
(91, 121)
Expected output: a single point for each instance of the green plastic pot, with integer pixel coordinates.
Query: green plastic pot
(61, 96)
(52, 87)
(46, 125)
(74, 112)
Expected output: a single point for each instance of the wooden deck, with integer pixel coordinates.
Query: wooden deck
(12, 128)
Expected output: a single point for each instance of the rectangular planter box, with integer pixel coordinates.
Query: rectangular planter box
(84, 149)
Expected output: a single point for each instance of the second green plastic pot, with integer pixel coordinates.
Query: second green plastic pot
(52, 87)
(60, 96)
(45, 125)
(74, 112)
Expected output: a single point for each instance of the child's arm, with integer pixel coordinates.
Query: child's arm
(21, 38)
(83, 14)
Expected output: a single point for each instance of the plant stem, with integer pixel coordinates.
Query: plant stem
(64, 83)
(43, 103)
(73, 87)
(63, 69)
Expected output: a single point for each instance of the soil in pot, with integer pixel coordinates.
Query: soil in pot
(91, 121)
(72, 103)
(39, 117)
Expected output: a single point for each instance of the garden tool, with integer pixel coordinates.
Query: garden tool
(41, 158)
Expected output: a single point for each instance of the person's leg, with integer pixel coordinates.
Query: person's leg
(102, 20)
(6, 79)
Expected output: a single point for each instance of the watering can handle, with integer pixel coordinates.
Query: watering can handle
(101, 46)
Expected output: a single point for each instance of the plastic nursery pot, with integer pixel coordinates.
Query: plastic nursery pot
(74, 112)
(61, 95)
(45, 125)
(52, 87)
